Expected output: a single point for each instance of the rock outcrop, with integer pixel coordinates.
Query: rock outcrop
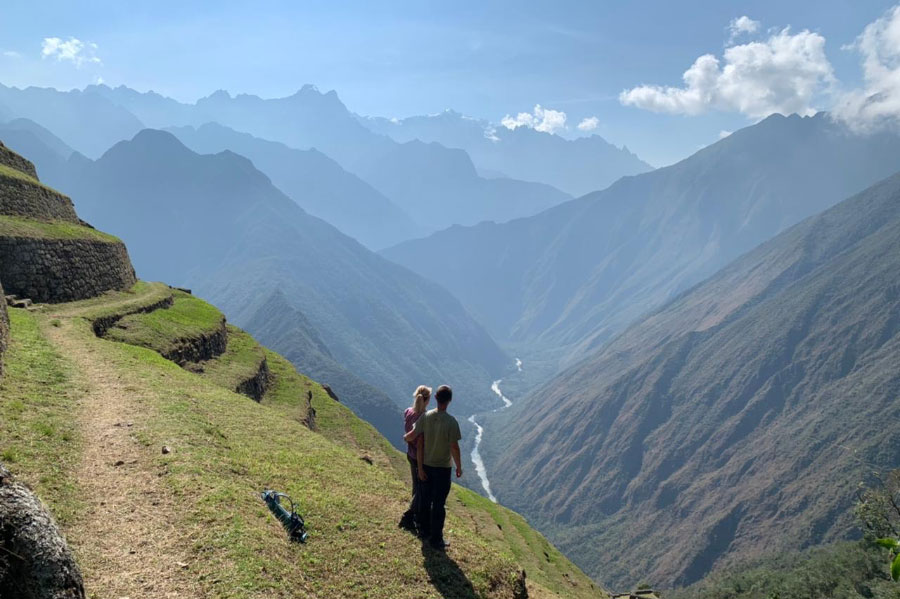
(35, 561)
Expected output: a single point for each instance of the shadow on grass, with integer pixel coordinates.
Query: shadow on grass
(446, 576)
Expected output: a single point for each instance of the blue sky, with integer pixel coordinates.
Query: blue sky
(485, 59)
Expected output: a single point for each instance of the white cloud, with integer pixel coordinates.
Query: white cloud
(11, 54)
(878, 101)
(589, 124)
(542, 119)
(742, 25)
(781, 74)
(73, 50)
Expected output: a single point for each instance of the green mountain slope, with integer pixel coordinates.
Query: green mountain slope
(735, 420)
(83, 420)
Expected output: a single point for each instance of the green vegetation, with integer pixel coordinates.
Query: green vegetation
(847, 570)
(543, 562)
(113, 303)
(39, 439)
(12, 226)
(165, 330)
(240, 361)
(8, 171)
(223, 449)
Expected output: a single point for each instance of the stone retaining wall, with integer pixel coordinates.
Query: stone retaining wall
(22, 198)
(13, 160)
(4, 328)
(63, 270)
(199, 349)
(255, 387)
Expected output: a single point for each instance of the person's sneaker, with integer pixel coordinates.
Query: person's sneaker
(407, 524)
(440, 545)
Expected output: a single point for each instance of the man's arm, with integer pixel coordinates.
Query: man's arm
(415, 432)
(454, 451)
(420, 458)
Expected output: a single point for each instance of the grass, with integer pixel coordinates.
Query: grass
(164, 330)
(239, 363)
(112, 303)
(8, 171)
(227, 448)
(13, 226)
(39, 441)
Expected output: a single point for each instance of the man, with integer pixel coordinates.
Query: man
(437, 437)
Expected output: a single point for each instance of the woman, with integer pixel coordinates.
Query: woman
(412, 413)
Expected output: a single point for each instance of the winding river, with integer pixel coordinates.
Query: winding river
(479, 434)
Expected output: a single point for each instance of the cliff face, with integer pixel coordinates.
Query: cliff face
(47, 253)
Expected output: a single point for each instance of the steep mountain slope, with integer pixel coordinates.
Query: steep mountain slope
(314, 181)
(217, 224)
(577, 274)
(577, 166)
(286, 330)
(437, 186)
(85, 120)
(83, 419)
(735, 420)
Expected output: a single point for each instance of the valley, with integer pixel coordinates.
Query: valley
(654, 250)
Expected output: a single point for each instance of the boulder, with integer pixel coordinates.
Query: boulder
(35, 561)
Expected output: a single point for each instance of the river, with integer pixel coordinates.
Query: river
(479, 434)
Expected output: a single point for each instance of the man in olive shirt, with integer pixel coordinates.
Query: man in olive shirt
(437, 436)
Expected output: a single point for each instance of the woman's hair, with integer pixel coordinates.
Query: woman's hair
(422, 395)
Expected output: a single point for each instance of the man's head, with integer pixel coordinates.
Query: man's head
(444, 395)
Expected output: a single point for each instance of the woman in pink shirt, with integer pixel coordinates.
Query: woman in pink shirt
(412, 413)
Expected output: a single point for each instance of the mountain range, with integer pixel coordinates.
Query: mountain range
(218, 224)
(734, 421)
(435, 185)
(569, 279)
(576, 166)
(316, 182)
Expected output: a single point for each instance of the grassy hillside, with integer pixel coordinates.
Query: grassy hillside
(84, 419)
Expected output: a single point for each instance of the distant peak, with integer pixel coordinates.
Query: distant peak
(219, 94)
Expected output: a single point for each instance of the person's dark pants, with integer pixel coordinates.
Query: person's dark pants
(432, 510)
(411, 515)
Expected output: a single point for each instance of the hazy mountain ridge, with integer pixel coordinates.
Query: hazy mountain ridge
(706, 432)
(437, 186)
(236, 239)
(317, 183)
(586, 269)
(85, 120)
(576, 166)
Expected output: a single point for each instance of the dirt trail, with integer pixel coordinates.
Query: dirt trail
(125, 540)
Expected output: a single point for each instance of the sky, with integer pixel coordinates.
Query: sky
(617, 68)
